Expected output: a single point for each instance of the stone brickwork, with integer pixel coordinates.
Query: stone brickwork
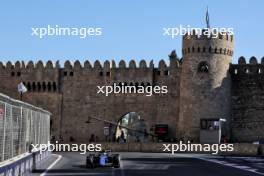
(203, 84)
(70, 93)
(247, 100)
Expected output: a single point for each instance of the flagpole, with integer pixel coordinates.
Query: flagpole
(207, 18)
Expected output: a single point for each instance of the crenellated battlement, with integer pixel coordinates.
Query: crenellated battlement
(97, 65)
(20, 65)
(242, 67)
(253, 67)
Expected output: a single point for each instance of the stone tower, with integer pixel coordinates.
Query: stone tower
(205, 82)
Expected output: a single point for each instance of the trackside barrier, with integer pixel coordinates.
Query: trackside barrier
(21, 125)
(23, 165)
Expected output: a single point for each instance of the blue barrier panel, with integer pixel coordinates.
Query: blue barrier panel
(19, 167)
(22, 166)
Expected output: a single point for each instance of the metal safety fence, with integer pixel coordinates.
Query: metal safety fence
(21, 125)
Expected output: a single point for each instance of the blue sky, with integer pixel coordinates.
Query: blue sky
(131, 30)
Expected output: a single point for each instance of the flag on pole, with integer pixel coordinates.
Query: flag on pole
(207, 18)
(21, 88)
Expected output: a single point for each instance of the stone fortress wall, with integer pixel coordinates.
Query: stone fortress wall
(69, 92)
(247, 100)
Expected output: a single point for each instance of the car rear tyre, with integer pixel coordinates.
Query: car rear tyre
(116, 161)
(89, 162)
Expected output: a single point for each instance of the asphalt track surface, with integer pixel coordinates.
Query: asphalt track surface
(155, 164)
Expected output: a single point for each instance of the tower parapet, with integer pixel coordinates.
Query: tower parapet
(208, 44)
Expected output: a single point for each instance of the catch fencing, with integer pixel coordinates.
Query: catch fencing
(21, 125)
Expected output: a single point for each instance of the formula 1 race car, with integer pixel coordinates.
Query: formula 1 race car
(103, 159)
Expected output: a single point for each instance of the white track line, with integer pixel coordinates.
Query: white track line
(122, 167)
(53, 164)
(233, 165)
